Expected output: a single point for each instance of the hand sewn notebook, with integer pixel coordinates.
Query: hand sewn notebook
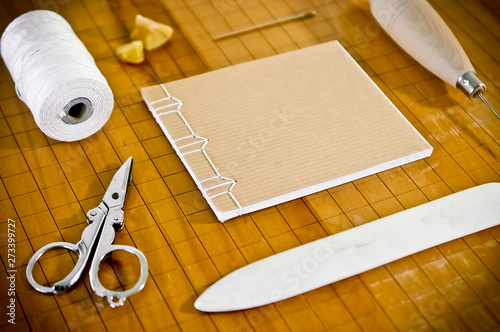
(275, 129)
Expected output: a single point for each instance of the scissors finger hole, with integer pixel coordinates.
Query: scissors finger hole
(119, 271)
(54, 265)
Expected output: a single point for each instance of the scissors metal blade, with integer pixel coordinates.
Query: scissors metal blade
(117, 189)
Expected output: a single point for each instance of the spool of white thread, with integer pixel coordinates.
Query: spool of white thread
(55, 76)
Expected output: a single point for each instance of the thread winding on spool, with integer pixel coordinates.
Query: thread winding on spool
(55, 76)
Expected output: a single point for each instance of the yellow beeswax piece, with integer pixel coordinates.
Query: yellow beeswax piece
(152, 34)
(132, 52)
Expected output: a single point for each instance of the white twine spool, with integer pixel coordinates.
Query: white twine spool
(55, 76)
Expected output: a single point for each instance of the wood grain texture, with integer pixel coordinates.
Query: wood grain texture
(47, 186)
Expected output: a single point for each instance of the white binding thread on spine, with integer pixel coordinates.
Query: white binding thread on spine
(212, 178)
(216, 186)
(185, 146)
(178, 105)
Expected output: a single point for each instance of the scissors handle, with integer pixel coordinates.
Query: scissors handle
(116, 298)
(80, 248)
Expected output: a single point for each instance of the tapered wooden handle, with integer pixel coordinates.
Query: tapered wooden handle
(423, 34)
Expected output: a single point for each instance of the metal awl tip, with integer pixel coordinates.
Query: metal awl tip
(487, 103)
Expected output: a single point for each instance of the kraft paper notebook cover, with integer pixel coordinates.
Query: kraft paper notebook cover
(268, 131)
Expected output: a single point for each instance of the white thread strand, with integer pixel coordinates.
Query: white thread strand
(218, 186)
(177, 111)
(209, 179)
(189, 144)
(55, 76)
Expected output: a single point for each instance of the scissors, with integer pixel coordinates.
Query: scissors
(96, 244)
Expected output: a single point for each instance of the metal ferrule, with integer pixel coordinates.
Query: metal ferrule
(470, 84)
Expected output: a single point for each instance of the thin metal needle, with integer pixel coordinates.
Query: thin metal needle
(265, 25)
(487, 103)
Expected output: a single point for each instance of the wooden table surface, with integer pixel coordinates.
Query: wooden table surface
(46, 186)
